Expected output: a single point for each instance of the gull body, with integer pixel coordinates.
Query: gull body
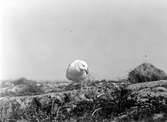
(77, 71)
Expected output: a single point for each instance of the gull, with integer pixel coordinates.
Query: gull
(77, 71)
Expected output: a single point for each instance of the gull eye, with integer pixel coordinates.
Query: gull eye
(83, 65)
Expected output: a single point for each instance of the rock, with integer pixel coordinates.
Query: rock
(101, 100)
(151, 84)
(57, 105)
(146, 72)
(149, 89)
(28, 107)
(22, 87)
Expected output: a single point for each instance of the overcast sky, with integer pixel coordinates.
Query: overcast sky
(39, 38)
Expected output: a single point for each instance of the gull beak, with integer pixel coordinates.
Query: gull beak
(86, 71)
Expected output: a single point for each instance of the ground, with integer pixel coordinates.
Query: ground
(25, 100)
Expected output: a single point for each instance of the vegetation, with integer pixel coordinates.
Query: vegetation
(97, 101)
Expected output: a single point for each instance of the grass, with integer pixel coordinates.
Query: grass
(117, 105)
(98, 101)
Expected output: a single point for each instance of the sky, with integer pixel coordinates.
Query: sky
(39, 38)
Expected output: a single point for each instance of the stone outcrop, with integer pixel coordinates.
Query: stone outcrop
(146, 72)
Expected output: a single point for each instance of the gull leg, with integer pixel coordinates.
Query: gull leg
(81, 82)
(82, 85)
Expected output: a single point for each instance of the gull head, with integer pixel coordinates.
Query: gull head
(82, 65)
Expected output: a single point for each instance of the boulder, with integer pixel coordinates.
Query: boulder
(146, 72)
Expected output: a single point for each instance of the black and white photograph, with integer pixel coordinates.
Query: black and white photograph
(83, 61)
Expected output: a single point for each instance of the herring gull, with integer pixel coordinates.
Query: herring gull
(77, 71)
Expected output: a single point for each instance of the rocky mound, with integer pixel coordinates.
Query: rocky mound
(23, 86)
(146, 72)
(100, 101)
